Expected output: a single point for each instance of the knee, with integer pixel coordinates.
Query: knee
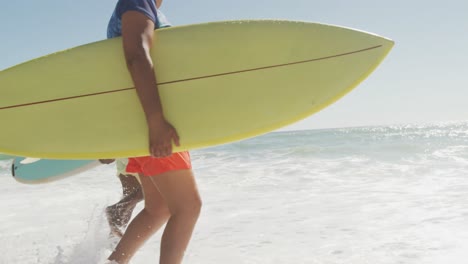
(157, 211)
(196, 205)
(190, 207)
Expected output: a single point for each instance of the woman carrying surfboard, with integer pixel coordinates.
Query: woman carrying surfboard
(168, 183)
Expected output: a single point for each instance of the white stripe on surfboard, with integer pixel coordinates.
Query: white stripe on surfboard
(29, 160)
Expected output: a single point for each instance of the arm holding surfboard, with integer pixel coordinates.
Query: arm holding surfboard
(137, 35)
(167, 181)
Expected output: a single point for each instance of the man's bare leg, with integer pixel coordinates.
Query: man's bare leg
(119, 214)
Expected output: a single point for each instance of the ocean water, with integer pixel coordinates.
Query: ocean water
(386, 195)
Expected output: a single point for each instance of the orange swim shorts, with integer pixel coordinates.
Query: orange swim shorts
(150, 166)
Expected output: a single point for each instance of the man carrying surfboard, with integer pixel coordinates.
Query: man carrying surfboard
(167, 180)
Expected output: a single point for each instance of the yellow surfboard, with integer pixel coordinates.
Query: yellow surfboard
(219, 82)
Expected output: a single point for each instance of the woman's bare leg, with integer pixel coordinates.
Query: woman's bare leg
(181, 195)
(144, 225)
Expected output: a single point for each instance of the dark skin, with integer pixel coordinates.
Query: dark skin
(119, 214)
(171, 198)
(137, 37)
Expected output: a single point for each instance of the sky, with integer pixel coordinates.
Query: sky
(424, 79)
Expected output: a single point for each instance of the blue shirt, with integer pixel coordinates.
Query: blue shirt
(146, 7)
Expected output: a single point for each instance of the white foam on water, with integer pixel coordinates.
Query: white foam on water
(363, 195)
